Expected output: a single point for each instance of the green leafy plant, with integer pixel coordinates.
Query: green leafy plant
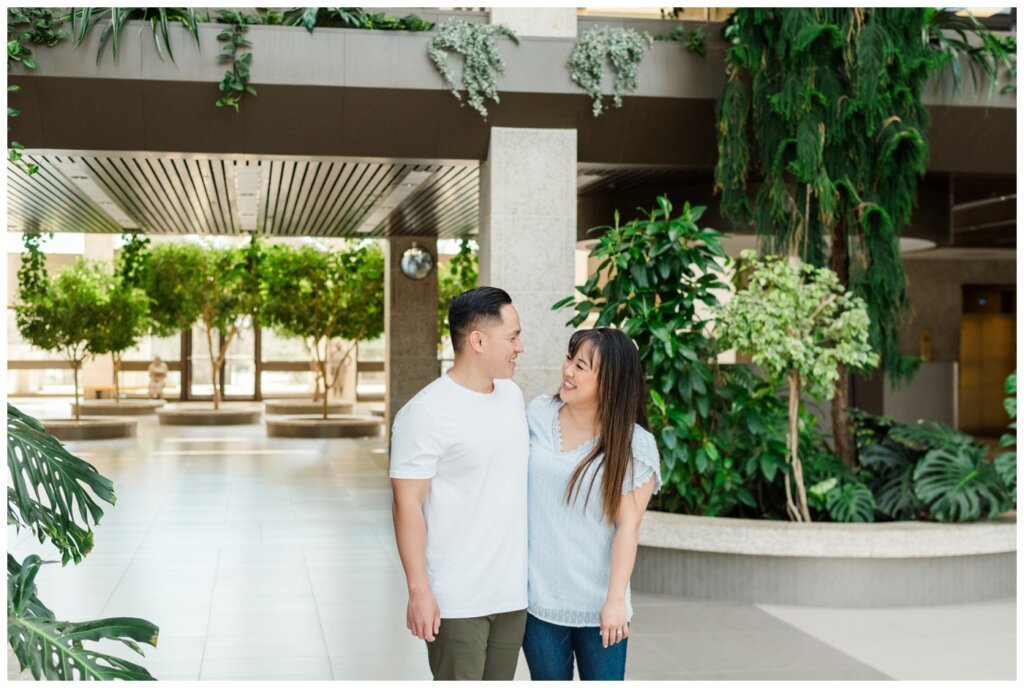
(654, 274)
(958, 483)
(351, 17)
(453, 278)
(949, 36)
(235, 84)
(26, 25)
(621, 47)
(160, 19)
(799, 324)
(319, 296)
(32, 273)
(1006, 462)
(694, 39)
(48, 486)
(482, 61)
(65, 315)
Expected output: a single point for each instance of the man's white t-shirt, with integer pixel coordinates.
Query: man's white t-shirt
(475, 449)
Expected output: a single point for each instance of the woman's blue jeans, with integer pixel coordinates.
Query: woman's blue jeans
(550, 649)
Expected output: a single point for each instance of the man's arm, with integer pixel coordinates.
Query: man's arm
(423, 616)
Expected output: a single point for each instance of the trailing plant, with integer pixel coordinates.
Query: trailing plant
(160, 18)
(32, 273)
(130, 263)
(1006, 462)
(799, 324)
(26, 25)
(65, 315)
(623, 48)
(694, 39)
(949, 35)
(481, 60)
(324, 295)
(48, 485)
(235, 84)
(454, 277)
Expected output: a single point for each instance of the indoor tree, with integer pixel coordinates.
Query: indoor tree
(798, 324)
(63, 313)
(822, 111)
(189, 282)
(122, 319)
(322, 295)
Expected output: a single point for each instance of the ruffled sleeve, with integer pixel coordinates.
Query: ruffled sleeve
(646, 462)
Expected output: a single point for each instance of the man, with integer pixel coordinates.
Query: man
(459, 452)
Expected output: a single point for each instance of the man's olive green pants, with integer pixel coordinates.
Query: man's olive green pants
(481, 648)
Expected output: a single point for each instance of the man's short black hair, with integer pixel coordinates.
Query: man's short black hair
(468, 311)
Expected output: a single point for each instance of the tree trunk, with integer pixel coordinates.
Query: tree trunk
(839, 262)
(797, 511)
(117, 377)
(213, 368)
(75, 365)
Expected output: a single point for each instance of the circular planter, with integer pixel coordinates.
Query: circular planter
(895, 564)
(287, 407)
(205, 415)
(316, 427)
(90, 428)
(127, 407)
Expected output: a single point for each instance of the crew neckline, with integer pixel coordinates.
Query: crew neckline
(486, 395)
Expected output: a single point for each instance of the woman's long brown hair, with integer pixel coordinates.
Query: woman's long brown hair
(621, 403)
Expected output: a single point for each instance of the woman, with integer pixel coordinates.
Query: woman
(593, 468)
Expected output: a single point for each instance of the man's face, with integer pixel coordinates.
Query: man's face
(501, 344)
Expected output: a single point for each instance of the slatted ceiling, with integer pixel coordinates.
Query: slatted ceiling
(181, 194)
(619, 178)
(50, 202)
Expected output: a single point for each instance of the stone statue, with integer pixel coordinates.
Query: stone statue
(157, 378)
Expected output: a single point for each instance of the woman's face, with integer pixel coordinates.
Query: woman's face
(579, 376)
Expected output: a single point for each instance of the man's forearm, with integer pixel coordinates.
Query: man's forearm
(411, 537)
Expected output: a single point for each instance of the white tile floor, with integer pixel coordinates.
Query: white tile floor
(274, 559)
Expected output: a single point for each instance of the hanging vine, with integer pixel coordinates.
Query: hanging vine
(32, 273)
(26, 25)
(235, 84)
(482, 61)
(623, 48)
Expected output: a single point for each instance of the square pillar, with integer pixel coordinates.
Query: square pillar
(410, 326)
(528, 241)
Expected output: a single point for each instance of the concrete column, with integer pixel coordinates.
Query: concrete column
(559, 22)
(528, 241)
(98, 371)
(410, 326)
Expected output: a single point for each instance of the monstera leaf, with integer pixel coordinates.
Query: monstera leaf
(48, 486)
(959, 484)
(852, 502)
(54, 649)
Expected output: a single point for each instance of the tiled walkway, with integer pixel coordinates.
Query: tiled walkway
(275, 559)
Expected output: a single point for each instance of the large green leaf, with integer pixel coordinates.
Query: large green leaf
(958, 483)
(851, 503)
(49, 486)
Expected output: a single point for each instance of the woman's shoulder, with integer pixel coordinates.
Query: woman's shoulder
(541, 403)
(644, 446)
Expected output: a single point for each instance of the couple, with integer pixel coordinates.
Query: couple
(470, 470)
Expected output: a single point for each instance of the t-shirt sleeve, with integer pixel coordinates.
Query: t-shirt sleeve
(416, 444)
(646, 462)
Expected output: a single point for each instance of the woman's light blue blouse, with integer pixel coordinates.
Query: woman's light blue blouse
(570, 547)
